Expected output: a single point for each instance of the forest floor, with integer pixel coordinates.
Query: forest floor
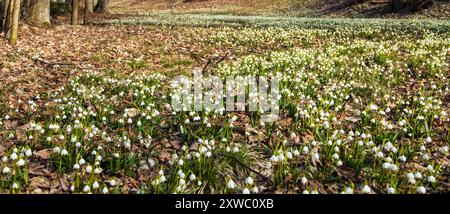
(363, 109)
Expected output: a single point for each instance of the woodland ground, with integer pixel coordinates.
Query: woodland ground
(395, 71)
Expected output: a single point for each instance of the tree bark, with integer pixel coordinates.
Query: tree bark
(2, 14)
(8, 15)
(39, 13)
(102, 6)
(15, 22)
(74, 18)
(87, 11)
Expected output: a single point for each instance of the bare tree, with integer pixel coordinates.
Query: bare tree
(102, 6)
(88, 9)
(39, 12)
(74, 18)
(14, 22)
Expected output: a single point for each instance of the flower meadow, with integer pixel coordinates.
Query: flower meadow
(361, 110)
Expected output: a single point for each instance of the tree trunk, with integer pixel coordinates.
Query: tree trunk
(2, 14)
(8, 15)
(74, 19)
(39, 14)
(102, 6)
(15, 22)
(87, 11)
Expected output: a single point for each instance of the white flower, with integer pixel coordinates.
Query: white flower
(255, 190)
(13, 156)
(246, 191)
(95, 185)
(304, 180)
(192, 177)
(366, 189)
(81, 161)
(274, 158)
(89, 169)
(208, 154)
(6, 170)
(231, 184)
(112, 183)
(15, 186)
(182, 182)
(180, 162)
(28, 152)
(339, 163)
(296, 153)
(235, 149)
(64, 152)
(431, 179)
(306, 192)
(402, 158)
(76, 166)
(97, 171)
(443, 150)
(411, 178)
(418, 175)
(428, 140)
(20, 162)
(390, 190)
(57, 149)
(86, 188)
(105, 190)
(421, 190)
(249, 181)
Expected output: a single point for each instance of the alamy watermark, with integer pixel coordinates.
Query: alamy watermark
(234, 93)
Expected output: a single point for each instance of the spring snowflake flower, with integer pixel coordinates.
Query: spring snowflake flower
(231, 184)
(235, 149)
(64, 152)
(89, 169)
(28, 152)
(95, 185)
(76, 166)
(305, 192)
(390, 190)
(296, 153)
(402, 158)
(428, 140)
(431, 179)
(98, 171)
(15, 186)
(246, 191)
(112, 182)
(443, 150)
(192, 177)
(289, 155)
(366, 189)
(418, 175)
(105, 190)
(86, 188)
(421, 190)
(57, 150)
(249, 181)
(304, 180)
(13, 156)
(6, 170)
(411, 178)
(180, 162)
(20, 162)
(305, 150)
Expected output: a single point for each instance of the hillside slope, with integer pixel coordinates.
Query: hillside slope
(310, 8)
